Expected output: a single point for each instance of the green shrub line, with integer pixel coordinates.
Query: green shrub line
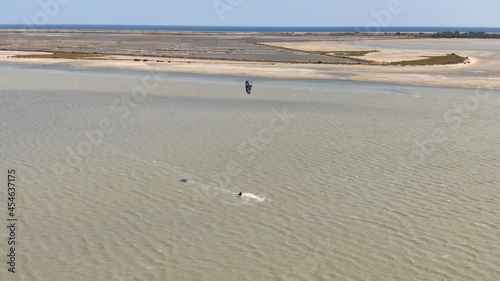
(345, 53)
(436, 60)
(61, 55)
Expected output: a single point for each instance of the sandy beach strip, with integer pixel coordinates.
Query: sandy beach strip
(449, 75)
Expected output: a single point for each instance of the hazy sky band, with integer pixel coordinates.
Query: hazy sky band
(481, 13)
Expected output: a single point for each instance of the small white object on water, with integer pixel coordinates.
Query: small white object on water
(246, 195)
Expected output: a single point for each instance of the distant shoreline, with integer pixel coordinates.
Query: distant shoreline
(375, 34)
(286, 29)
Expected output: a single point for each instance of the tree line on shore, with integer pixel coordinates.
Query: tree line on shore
(452, 34)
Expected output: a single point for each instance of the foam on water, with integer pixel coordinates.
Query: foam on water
(252, 197)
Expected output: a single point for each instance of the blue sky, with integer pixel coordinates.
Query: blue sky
(480, 13)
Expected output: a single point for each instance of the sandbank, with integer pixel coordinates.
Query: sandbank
(275, 56)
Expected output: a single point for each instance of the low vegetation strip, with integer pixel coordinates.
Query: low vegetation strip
(437, 60)
(345, 53)
(61, 55)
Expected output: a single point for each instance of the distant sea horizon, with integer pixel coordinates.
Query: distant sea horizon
(333, 29)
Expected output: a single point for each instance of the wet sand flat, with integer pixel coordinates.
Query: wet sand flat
(190, 46)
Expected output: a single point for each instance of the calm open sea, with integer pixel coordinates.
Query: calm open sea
(264, 28)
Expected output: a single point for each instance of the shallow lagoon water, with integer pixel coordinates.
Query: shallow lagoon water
(125, 180)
